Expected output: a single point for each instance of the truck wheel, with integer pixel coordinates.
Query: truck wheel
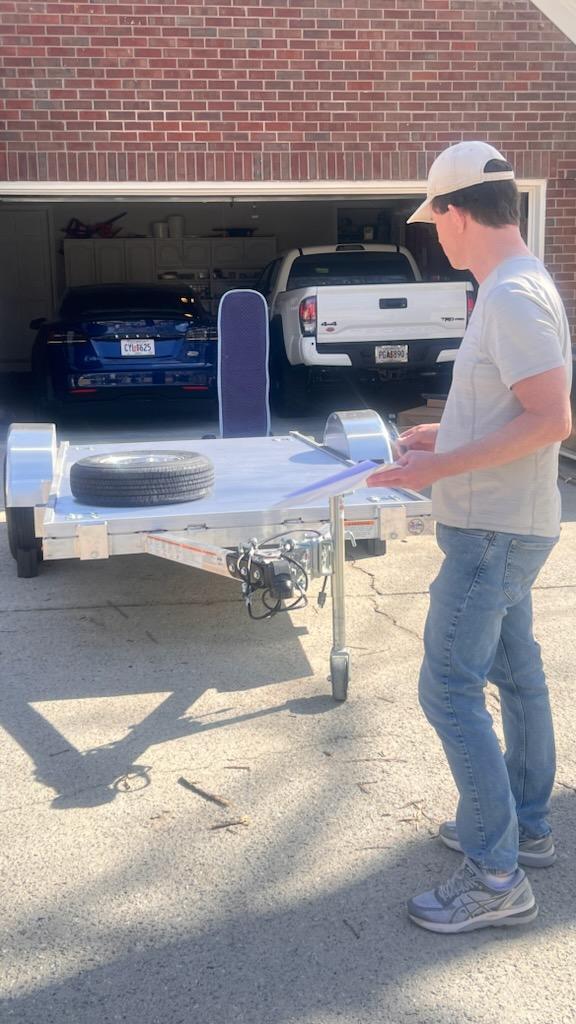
(287, 382)
(136, 478)
(365, 547)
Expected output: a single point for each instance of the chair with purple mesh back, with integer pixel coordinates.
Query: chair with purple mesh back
(243, 381)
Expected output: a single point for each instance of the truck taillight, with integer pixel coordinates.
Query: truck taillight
(307, 314)
(470, 300)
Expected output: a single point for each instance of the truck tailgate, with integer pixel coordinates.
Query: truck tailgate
(391, 312)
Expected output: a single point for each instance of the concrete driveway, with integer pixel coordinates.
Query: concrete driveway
(195, 833)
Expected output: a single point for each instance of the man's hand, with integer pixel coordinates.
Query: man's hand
(421, 438)
(414, 470)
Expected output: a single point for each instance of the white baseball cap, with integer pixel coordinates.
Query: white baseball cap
(458, 167)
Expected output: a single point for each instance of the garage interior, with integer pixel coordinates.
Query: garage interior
(213, 244)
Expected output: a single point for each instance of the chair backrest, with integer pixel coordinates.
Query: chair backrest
(243, 380)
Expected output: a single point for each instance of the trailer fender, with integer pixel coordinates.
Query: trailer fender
(30, 464)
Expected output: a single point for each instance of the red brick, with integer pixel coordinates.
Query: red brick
(323, 89)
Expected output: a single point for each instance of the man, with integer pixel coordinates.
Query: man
(493, 463)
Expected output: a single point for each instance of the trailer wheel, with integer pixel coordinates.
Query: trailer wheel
(340, 674)
(27, 563)
(22, 541)
(24, 546)
(137, 478)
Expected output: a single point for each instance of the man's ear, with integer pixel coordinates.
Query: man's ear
(459, 218)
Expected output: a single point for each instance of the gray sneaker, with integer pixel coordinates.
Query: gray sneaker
(532, 853)
(466, 902)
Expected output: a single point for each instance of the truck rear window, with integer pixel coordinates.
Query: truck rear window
(349, 268)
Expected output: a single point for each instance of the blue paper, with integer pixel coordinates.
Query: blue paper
(348, 479)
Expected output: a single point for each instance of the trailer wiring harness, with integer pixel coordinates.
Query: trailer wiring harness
(278, 575)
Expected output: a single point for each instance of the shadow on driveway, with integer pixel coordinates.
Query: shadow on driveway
(346, 953)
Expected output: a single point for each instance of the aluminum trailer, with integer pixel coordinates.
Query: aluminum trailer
(240, 530)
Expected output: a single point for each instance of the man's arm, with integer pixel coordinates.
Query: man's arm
(545, 419)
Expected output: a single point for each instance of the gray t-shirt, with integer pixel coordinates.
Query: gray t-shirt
(518, 329)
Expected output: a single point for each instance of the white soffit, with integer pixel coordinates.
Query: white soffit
(562, 13)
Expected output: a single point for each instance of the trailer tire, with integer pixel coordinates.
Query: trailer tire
(24, 546)
(138, 478)
(27, 563)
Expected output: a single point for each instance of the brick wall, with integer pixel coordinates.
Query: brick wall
(327, 89)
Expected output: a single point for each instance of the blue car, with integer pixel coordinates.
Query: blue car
(125, 340)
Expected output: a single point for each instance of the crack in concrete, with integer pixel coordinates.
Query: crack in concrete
(424, 593)
(380, 611)
(390, 618)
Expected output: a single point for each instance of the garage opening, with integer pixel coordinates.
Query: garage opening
(213, 243)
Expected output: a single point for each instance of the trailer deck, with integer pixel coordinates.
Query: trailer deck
(248, 528)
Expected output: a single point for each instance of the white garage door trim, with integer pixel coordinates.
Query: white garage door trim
(562, 13)
(238, 191)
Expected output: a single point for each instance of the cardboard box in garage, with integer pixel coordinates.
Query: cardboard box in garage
(432, 413)
(429, 413)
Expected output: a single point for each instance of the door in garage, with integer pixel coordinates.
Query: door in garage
(25, 281)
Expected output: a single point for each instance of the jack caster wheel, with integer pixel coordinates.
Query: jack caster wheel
(340, 674)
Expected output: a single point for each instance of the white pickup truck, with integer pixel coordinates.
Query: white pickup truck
(354, 309)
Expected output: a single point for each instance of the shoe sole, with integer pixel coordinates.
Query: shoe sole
(485, 921)
(528, 860)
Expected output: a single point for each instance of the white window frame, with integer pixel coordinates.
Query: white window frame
(250, 191)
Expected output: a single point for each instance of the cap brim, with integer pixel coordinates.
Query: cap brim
(423, 215)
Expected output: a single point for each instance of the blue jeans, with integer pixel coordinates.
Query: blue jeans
(479, 627)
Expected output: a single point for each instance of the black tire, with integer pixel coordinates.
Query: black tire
(22, 541)
(136, 478)
(24, 546)
(288, 384)
(46, 404)
(27, 563)
(365, 547)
